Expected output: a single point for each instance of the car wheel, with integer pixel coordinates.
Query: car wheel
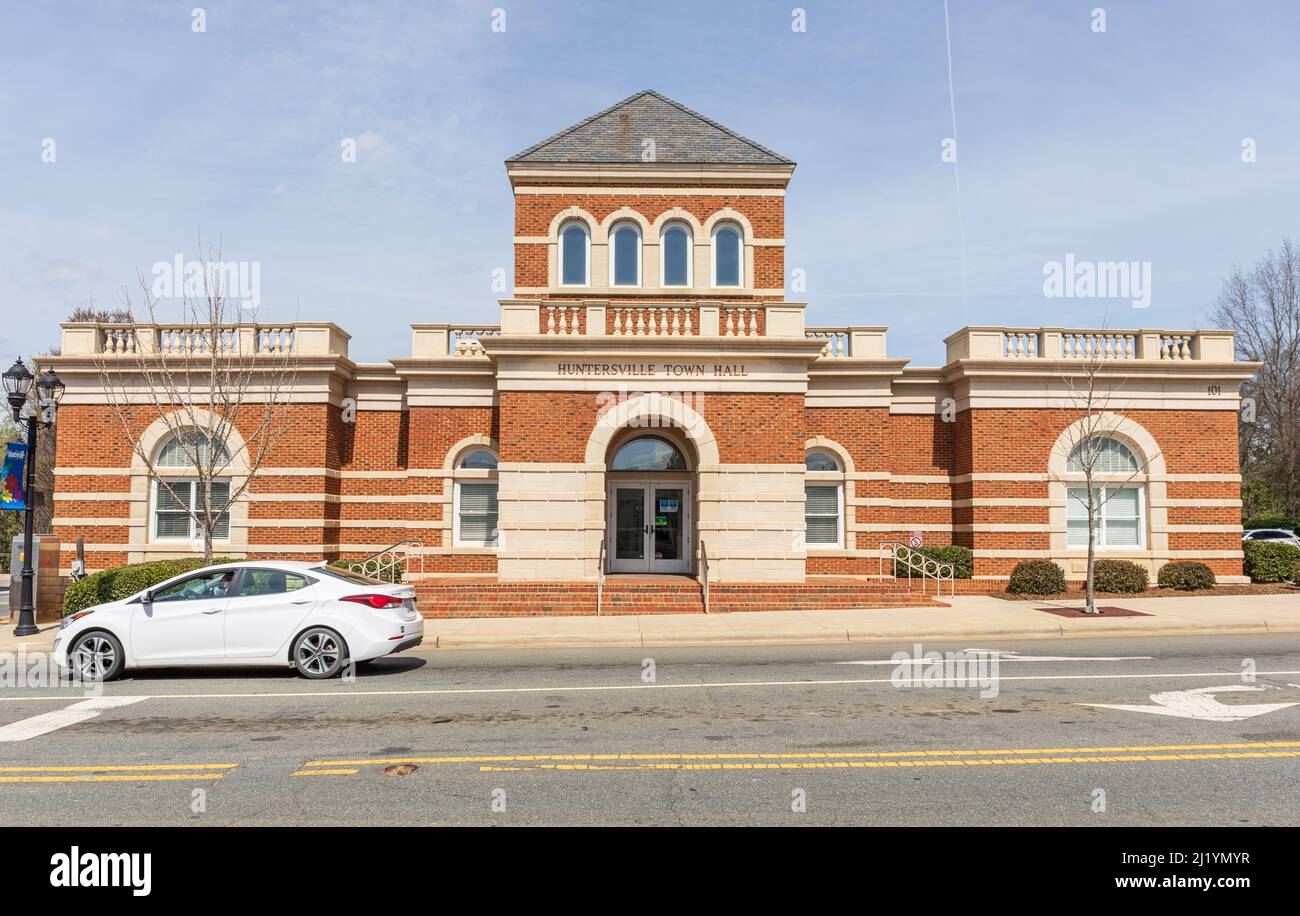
(97, 656)
(319, 653)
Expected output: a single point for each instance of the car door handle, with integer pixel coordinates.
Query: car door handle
(304, 601)
(215, 610)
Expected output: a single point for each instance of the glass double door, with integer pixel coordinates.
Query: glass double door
(649, 527)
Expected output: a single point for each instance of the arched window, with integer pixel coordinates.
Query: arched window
(726, 255)
(675, 255)
(823, 495)
(182, 462)
(625, 255)
(1118, 496)
(575, 244)
(475, 510)
(648, 453)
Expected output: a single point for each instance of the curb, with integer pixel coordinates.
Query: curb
(834, 638)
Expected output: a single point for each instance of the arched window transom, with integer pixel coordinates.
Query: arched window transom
(820, 461)
(479, 459)
(648, 453)
(1106, 456)
(181, 451)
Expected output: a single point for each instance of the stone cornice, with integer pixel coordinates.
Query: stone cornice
(700, 175)
(802, 348)
(969, 369)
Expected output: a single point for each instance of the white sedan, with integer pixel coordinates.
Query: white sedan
(1271, 535)
(312, 617)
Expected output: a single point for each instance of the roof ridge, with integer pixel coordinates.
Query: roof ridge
(667, 101)
(583, 123)
(712, 123)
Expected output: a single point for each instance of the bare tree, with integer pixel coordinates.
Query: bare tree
(212, 373)
(1263, 307)
(1092, 422)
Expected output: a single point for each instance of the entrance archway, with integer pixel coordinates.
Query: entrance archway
(672, 419)
(649, 505)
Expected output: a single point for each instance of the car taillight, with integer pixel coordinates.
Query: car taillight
(377, 601)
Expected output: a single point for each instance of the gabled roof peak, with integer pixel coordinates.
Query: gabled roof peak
(618, 134)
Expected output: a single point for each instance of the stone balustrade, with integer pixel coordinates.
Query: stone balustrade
(1087, 345)
(605, 318)
(850, 342)
(107, 339)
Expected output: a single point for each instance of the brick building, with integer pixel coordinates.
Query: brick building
(651, 403)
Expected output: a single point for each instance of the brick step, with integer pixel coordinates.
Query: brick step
(481, 598)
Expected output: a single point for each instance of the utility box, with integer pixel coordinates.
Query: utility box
(47, 585)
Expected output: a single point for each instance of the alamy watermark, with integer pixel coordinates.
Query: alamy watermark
(962, 669)
(237, 280)
(1075, 279)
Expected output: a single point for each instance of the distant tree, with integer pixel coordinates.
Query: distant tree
(100, 316)
(1263, 306)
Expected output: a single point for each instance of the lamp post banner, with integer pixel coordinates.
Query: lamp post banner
(12, 475)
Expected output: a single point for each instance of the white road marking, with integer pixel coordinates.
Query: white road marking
(561, 688)
(61, 718)
(1013, 656)
(1200, 703)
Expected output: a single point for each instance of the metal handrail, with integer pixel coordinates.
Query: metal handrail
(704, 574)
(600, 578)
(914, 560)
(398, 556)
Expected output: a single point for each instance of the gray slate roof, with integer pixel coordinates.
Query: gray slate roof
(681, 136)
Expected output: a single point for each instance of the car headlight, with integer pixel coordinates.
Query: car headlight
(77, 616)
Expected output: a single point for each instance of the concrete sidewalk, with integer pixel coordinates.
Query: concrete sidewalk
(970, 617)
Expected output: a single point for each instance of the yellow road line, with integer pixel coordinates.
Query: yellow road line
(828, 756)
(877, 764)
(141, 777)
(122, 768)
(324, 773)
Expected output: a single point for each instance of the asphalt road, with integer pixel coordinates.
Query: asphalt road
(718, 736)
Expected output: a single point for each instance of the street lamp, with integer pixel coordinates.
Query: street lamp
(18, 387)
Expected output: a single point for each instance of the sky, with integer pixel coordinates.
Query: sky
(1170, 138)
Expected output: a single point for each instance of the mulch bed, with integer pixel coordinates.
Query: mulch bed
(1103, 610)
(1257, 588)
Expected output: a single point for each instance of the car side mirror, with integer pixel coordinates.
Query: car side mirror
(147, 598)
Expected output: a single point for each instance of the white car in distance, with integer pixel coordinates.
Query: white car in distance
(311, 617)
(1272, 536)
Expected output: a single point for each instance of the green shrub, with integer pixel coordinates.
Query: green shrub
(961, 558)
(1268, 561)
(1119, 576)
(1285, 522)
(1185, 576)
(124, 581)
(1036, 577)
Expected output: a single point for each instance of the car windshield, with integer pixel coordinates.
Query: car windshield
(347, 575)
